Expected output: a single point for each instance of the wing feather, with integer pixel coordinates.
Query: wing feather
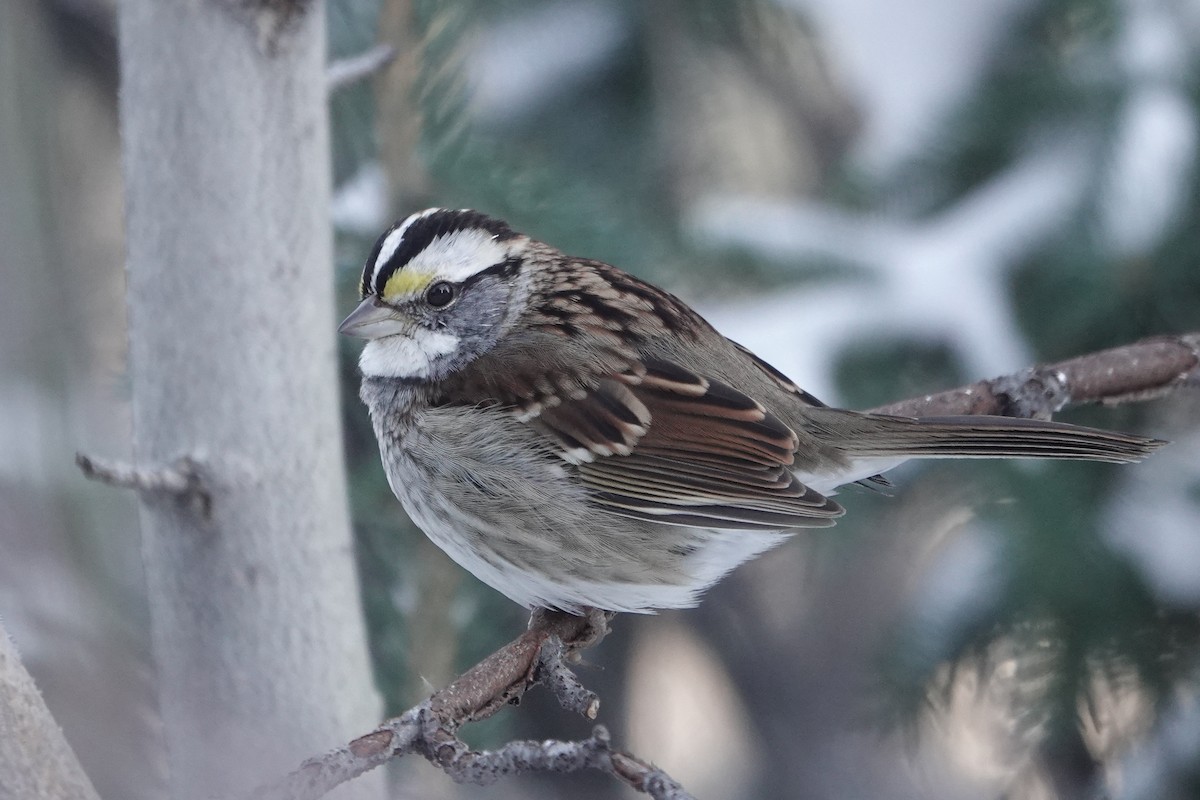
(664, 444)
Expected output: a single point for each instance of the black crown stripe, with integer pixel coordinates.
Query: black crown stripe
(421, 233)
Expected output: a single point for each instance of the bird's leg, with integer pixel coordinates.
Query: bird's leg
(597, 627)
(577, 631)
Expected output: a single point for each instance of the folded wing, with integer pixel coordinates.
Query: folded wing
(667, 445)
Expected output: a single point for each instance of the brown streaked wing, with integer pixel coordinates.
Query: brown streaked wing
(720, 422)
(875, 482)
(783, 381)
(677, 448)
(608, 421)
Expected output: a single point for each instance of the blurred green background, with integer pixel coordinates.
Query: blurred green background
(882, 199)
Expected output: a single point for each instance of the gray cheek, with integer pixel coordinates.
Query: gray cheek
(475, 318)
(478, 314)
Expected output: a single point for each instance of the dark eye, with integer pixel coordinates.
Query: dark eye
(441, 294)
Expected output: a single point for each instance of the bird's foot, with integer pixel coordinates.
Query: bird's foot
(577, 631)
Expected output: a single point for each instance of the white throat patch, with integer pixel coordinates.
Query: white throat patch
(406, 356)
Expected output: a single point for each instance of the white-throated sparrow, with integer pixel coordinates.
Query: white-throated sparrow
(578, 438)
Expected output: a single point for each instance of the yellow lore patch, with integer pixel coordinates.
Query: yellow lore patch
(405, 282)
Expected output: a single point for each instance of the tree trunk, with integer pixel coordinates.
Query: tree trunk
(256, 620)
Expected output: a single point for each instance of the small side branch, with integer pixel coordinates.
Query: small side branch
(539, 654)
(351, 70)
(647, 778)
(182, 478)
(572, 695)
(595, 752)
(318, 776)
(1132, 373)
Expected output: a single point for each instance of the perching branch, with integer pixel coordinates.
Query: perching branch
(1141, 371)
(430, 728)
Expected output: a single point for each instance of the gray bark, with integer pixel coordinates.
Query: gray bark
(35, 759)
(256, 622)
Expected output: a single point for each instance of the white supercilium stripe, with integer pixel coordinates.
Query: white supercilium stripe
(457, 256)
(392, 243)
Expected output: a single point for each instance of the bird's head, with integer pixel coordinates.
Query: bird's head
(438, 290)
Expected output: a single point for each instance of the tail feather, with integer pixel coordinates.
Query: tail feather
(874, 435)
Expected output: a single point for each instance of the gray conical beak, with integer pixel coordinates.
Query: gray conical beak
(372, 320)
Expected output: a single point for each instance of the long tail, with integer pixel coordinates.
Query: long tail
(877, 436)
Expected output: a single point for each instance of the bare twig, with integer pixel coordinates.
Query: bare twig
(1141, 371)
(430, 729)
(515, 758)
(647, 778)
(352, 69)
(554, 672)
(504, 676)
(182, 478)
(485, 767)
(318, 776)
